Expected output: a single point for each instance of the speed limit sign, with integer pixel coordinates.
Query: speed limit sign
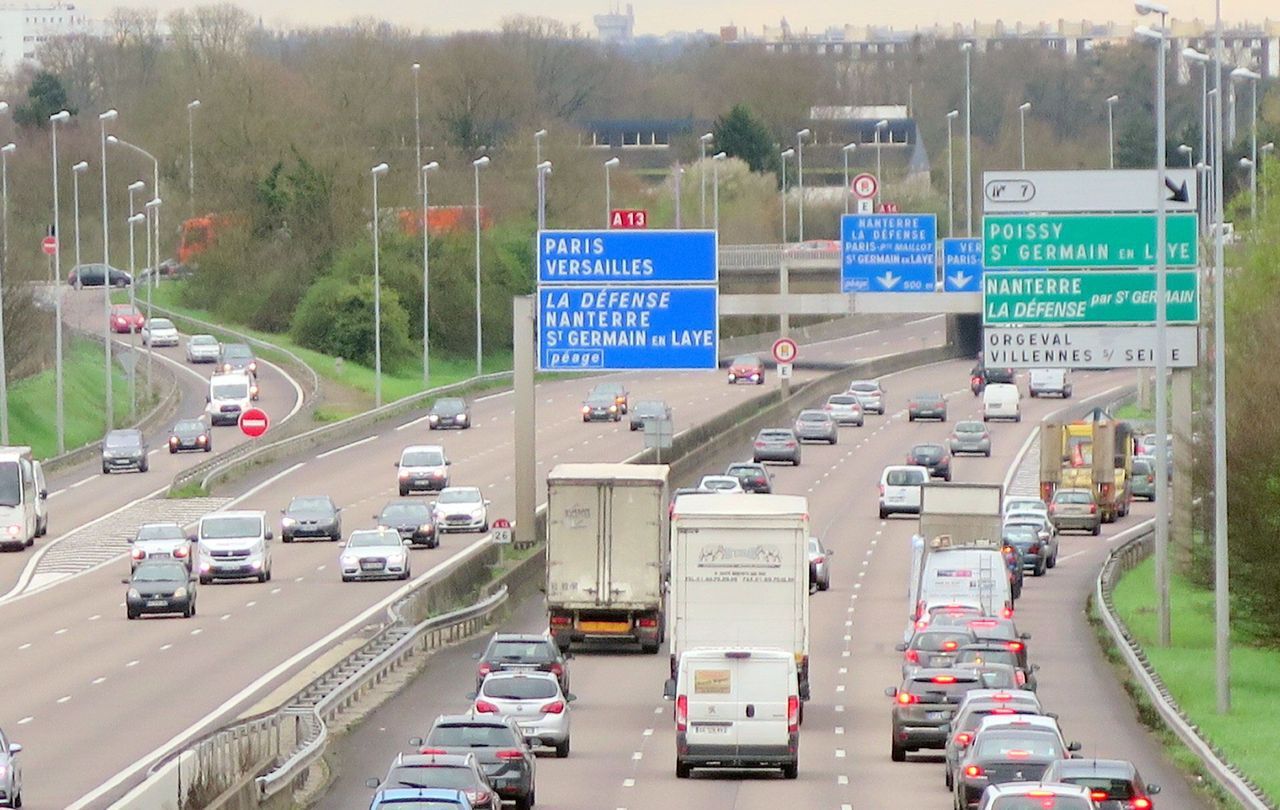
(865, 186)
(784, 351)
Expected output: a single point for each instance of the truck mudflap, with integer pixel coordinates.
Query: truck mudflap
(643, 627)
(802, 672)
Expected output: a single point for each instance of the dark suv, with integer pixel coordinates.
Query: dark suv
(933, 457)
(513, 652)
(498, 745)
(754, 477)
(923, 707)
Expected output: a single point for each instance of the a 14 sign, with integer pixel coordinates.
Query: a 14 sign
(629, 218)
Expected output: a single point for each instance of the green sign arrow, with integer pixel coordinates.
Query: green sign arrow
(1087, 297)
(1086, 240)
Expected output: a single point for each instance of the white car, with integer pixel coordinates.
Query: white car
(1025, 503)
(534, 701)
(900, 489)
(462, 509)
(374, 554)
(720, 484)
(203, 349)
(159, 332)
(1001, 401)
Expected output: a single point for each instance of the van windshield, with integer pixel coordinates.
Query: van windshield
(904, 478)
(223, 528)
(10, 484)
(231, 391)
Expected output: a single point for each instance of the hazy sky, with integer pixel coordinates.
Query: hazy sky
(661, 16)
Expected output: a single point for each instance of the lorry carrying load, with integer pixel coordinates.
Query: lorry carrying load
(607, 553)
(740, 575)
(1094, 453)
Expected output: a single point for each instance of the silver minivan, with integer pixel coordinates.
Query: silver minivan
(234, 545)
(423, 468)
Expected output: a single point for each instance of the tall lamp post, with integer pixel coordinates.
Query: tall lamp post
(192, 106)
(1111, 131)
(786, 154)
(1162, 351)
(1022, 131)
(60, 423)
(132, 220)
(800, 136)
(608, 189)
(881, 124)
(155, 189)
(703, 140)
(1203, 60)
(152, 210)
(951, 188)
(537, 145)
(679, 177)
(1183, 149)
(103, 118)
(417, 126)
(967, 48)
(544, 171)
(426, 273)
(715, 165)
(5, 151)
(377, 171)
(1269, 146)
(1221, 559)
(478, 164)
(1244, 74)
(845, 151)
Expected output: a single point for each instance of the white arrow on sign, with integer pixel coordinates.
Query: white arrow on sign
(888, 280)
(960, 279)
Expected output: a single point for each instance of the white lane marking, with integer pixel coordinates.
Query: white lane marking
(56, 493)
(265, 484)
(250, 603)
(842, 780)
(840, 687)
(197, 631)
(637, 755)
(488, 397)
(411, 423)
(658, 710)
(839, 707)
(134, 662)
(65, 698)
(26, 720)
(648, 732)
(297, 390)
(28, 644)
(1072, 554)
(839, 730)
(224, 616)
(337, 450)
(839, 753)
(625, 782)
(321, 567)
(85, 480)
(62, 630)
(96, 616)
(100, 678)
(275, 591)
(164, 646)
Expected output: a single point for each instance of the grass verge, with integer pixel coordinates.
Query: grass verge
(1246, 735)
(32, 401)
(1133, 413)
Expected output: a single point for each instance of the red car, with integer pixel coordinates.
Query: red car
(124, 318)
(746, 369)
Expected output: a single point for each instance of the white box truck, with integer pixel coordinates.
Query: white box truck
(607, 550)
(24, 499)
(740, 575)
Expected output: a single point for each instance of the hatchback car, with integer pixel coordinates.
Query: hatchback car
(870, 395)
(523, 652)
(91, 275)
(311, 516)
(1034, 796)
(374, 554)
(970, 436)
(124, 450)
(927, 406)
(753, 477)
(1045, 531)
(647, 410)
(462, 509)
(124, 318)
(746, 368)
(600, 407)
(819, 564)
(720, 484)
(160, 332)
(978, 704)
(535, 701)
(160, 541)
(415, 522)
(449, 412)
(423, 468)
(616, 390)
(419, 799)
(776, 444)
(933, 457)
(981, 376)
(1032, 548)
(1114, 784)
(191, 434)
(923, 707)
(845, 409)
(10, 772)
(459, 772)
(203, 349)
(816, 426)
(498, 745)
(238, 357)
(1008, 748)
(932, 647)
(1075, 509)
(1142, 478)
(160, 586)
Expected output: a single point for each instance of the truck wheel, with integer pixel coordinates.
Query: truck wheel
(897, 753)
(682, 770)
(791, 770)
(883, 514)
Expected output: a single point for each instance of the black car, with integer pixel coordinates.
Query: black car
(934, 457)
(932, 647)
(238, 357)
(443, 771)
(1019, 752)
(124, 450)
(999, 652)
(1114, 783)
(513, 652)
(415, 521)
(923, 707)
(190, 434)
(927, 406)
(1031, 546)
(498, 745)
(91, 275)
(647, 409)
(754, 477)
(980, 376)
(990, 630)
(160, 586)
(311, 516)
(449, 412)
(601, 407)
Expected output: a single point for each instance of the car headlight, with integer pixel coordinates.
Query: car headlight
(180, 593)
(288, 521)
(133, 594)
(426, 528)
(434, 418)
(350, 559)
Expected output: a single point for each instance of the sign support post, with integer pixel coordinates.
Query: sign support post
(784, 322)
(526, 467)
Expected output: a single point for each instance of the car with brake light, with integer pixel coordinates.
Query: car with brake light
(753, 476)
(535, 701)
(870, 395)
(523, 652)
(998, 652)
(933, 457)
(981, 376)
(923, 707)
(845, 409)
(423, 468)
(460, 772)
(1075, 510)
(160, 586)
(1034, 796)
(995, 676)
(977, 705)
(1032, 546)
(498, 745)
(776, 444)
(190, 434)
(238, 357)
(462, 509)
(600, 407)
(746, 368)
(970, 436)
(414, 521)
(374, 554)
(311, 516)
(1008, 748)
(1113, 784)
(616, 390)
(160, 541)
(932, 647)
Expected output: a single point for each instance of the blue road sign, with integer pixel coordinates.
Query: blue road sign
(634, 326)
(627, 257)
(962, 265)
(888, 252)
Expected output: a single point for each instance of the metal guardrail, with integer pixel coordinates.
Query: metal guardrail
(1120, 561)
(766, 257)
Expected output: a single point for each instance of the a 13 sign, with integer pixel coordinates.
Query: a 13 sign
(629, 218)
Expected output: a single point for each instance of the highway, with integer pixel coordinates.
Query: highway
(623, 739)
(87, 673)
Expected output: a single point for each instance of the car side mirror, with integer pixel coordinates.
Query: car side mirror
(1073, 746)
(206, 398)
(1153, 789)
(395, 464)
(568, 656)
(470, 695)
(282, 511)
(191, 538)
(571, 697)
(669, 689)
(191, 580)
(268, 535)
(487, 502)
(475, 656)
(1024, 636)
(448, 463)
(892, 691)
(1052, 715)
(44, 494)
(900, 647)
(375, 517)
(372, 783)
(1035, 667)
(124, 581)
(337, 509)
(16, 748)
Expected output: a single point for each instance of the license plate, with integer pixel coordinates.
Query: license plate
(157, 602)
(707, 728)
(935, 715)
(605, 627)
(159, 554)
(372, 566)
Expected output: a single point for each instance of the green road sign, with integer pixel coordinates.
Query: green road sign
(1085, 240)
(1086, 297)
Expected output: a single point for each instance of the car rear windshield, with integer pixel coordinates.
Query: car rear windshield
(223, 528)
(203, 340)
(970, 427)
(426, 458)
(928, 398)
(740, 470)
(1035, 802)
(930, 691)
(1016, 745)
(1141, 467)
(451, 777)
(1073, 497)
(776, 435)
(161, 323)
(929, 451)
(992, 656)
(519, 651)
(864, 387)
(160, 531)
(1000, 375)
(936, 642)
(600, 399)
(519, 688)
(904, 478)
(843, 399)
(813, 416)
(1115, 788)
(1021, 533)
(997, 677)
(467, 736)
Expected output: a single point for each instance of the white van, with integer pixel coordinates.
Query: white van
(1054, 381)
(234, 545)
(736, 708)
(230, 395)
(900, 489)
(24, 507)
(1001, 401)
(965, 576)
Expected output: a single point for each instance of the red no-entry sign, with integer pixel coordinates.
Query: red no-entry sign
(49, 245)
(254, 422)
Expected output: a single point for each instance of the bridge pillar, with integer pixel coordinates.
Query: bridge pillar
(965, 331)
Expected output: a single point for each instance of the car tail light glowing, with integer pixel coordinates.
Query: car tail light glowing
(180, 552)
(432, 751)
(759, 444)
(509, 753)
(1014, 646)
(974, 771)
(485, 668)
(1003, 696)
(1017, 753)
(554, 707)
(1003, 711)
(682, 712)
(1007, 612)
(819, 560)
(912, 656)
(1142, 803)
(948, 646)
(1034, 548)
(485, 707)
(882, 489)
(1098, 795)
(647, 621)
(944, 679)
(793, 713)
(907, 699)
(962, 739)
(556, 669)
(477, 797)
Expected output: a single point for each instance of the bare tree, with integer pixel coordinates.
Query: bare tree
(567, 68)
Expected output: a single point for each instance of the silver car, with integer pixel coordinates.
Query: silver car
(819, 564)
(870, 394)
(970, 436)
(203, 349)
(845, 409)
(462, 509)
(534, 701)
(374, 554)
(776, 444)
(160, 541)
(159, 332)
(817, 426)
(10, 772)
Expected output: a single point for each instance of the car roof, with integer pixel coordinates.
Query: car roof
(437, 760)
(999, 696)
(524, 637)
(1037, 722)
(1021, 788)
(895, 467)
(1122, 768)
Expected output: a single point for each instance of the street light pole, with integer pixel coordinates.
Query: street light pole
(679, 177)
(1183, 149)
(1111, 132)
(426, 274)
(881, 124)
(537, 145)
(967, 48)
(608, 190)
(479, 163)
(1022, 131)
(192, 106)
(703, 140)
(155, 188)
(1221, 560)
(135, 186)
(59, 421)
(152, 209)
(103, 118)
(544, 170)
(845, 150)
(1269, 146)
(786, 153)
(377, 171)
(5, 151)
(1244, 74)
(715, 164)
(417, 130)
(800, 136)
(951, 188)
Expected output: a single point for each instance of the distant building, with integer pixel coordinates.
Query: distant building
(616, 26)
(24, 28)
